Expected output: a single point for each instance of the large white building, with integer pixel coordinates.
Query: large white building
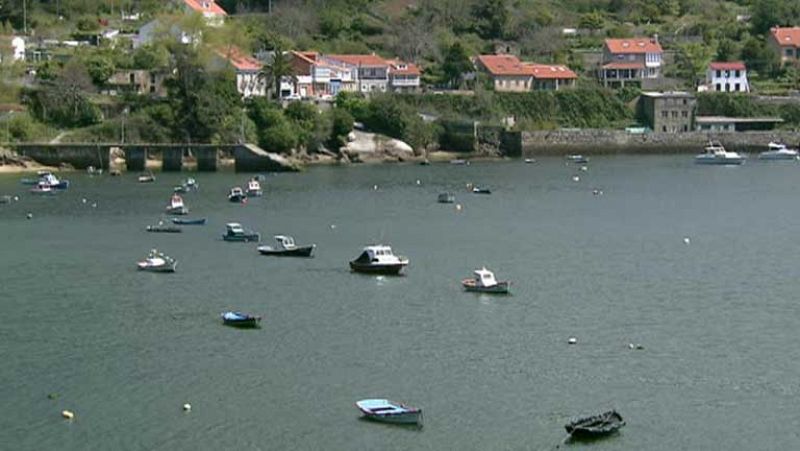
(727, 77)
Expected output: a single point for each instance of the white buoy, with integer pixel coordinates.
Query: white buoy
(631, 346)
(333, 226)
(16, 198)
(83, 200)
(459, 207)
(686, 240)
(572, 340)
(29, 216)
(419, 182)
(94, 204)
(575, 178)
(67, 414)
(584, 168)
(187, 407)
(375, 187)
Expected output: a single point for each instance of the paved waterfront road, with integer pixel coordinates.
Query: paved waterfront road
(718, 318)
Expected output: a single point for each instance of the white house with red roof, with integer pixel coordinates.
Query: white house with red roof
(630, 61)
(249, 81)
(786, 41)
(372, 71)
(509, 74)
(211, 11)
(726, 77)
(403, 77)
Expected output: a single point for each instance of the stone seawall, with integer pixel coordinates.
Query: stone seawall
(562, 142)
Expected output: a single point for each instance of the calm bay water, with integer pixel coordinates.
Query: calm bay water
(718, 318)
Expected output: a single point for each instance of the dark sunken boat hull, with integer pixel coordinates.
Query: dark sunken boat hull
(596, 425)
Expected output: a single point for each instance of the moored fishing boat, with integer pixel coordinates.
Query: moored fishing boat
(182, 221)
(481, 190)
(715, 153)
(446, 198)
(285, 247)
(162, 228)
(595, 425)
(378, 259)
(235, 232)
(254, 188)
(236, 195)
(191, 183)
(146, 177)
(239, 319)
(176, 206)
(485, 282)
(387, 411)
(778, 151)
(43, 188)
(577, 159)
(157, 262)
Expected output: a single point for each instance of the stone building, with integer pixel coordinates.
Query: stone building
(668, 112)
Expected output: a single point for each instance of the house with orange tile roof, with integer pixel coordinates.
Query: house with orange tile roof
(509, 74)
(372, 71)
(786, 41)
(211, 11)
(249, 81)
(630, 61)
(403, 77)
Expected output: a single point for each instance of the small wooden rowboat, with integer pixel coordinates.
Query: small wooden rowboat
(387, 411)
(595, 425)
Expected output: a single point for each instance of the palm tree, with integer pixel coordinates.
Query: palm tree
(279, 68)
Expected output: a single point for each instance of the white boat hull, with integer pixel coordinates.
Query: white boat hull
(719, 160)
(780, 155)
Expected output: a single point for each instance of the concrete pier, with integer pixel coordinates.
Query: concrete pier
(172, 159)
(135, 158)
(206, 159)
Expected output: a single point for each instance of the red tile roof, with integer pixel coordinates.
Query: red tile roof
(732, 65)
(360, 60)
(786, 35)
(633, 45)
(239, 59)
(504, 65)
(624, 66)
(205, 6)
(403, 68)
(550, 71)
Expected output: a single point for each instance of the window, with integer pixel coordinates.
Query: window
(665, 114)
(737, 87)
(789, 52)
(719, 74)
(738, 73)
(727, 87)
(664, 128)
(674, 114)
(684, 114)
(685, 128)
(684, 101)
(718, 87)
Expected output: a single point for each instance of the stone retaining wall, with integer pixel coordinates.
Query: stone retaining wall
(562, 142)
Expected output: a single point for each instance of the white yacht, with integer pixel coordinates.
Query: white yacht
(254, 188)
(157, 262)
(778, 151)
(715, 153)
(378, 259)
(176, 206)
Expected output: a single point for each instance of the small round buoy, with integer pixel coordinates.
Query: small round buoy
(67, 414)
(333, 226)
(575, 178)
(83, 200)
(29, 216)
(375, 187)
(459, 207)
(16, 198)
(94, 204)
(572, 340)
(418, 182)
(584, 168)
(686, 240)
(187, 407)
(631, 346)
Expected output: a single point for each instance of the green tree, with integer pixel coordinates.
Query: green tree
(100, 68)
(759, 57)
(277, 69)
(456, 63)
(592, 21)
(727, 50)
(341, 127)
(692, 61)
(490, 18)
(281, 137)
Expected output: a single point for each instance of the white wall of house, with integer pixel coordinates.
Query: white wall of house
(249, 84)
(18, 48)
(727, 80)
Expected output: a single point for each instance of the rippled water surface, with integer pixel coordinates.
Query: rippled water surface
(718, 317)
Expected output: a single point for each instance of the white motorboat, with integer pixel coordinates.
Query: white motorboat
(254, 188)
(147, 177)
(236, 195)
(778, 151)
(43, 188)
(157, 262)
(50, 179)
(176, 206)
(715, 153)
(378, 259)
(485, 282)
(387, 411)
(286, 247)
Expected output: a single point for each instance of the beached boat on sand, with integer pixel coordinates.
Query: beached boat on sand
(387, 411)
